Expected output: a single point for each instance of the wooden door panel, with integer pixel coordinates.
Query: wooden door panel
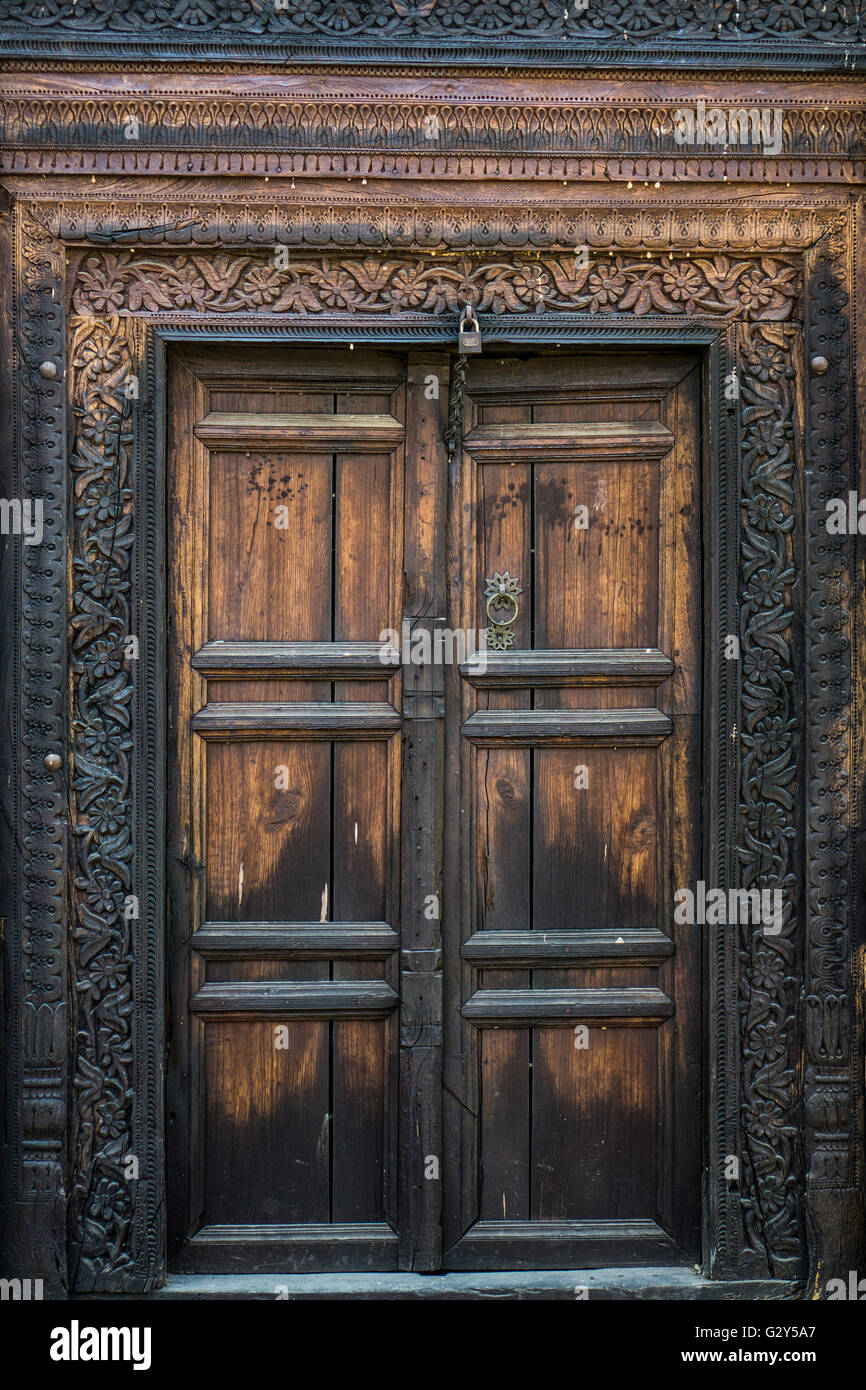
(265, 1126)
(250, 556)
(594, 857)
(572, 1003)
(285, 561)
(271, 863)
(596, 587)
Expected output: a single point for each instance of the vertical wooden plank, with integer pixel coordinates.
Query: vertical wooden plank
(504, 1056)
(680, 789)
(360, 831)
(362, 485)
(421, 905)
(362, 827)
(186, 510)
(359, 1071)
(503, 836)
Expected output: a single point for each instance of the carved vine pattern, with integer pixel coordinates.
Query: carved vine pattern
(768, 974)
(101, 547)
(121, 283)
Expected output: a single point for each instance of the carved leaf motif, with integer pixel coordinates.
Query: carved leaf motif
(764, 288)
(768, 976)
(545, 21)
(101, 1207)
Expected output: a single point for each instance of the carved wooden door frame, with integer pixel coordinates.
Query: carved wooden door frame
(770, 308)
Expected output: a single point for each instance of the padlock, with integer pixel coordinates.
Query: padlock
(468, 339)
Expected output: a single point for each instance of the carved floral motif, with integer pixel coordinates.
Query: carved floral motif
(102, 540)
(769, 969)
(438, 20)
(120, 283)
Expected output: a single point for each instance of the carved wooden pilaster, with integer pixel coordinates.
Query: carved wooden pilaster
(39, 945)
(104, 898)
(832, 1064)
(770, 956)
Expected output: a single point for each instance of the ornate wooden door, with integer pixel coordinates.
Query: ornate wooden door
(353, 825)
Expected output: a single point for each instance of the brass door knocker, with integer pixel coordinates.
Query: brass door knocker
(502, 609)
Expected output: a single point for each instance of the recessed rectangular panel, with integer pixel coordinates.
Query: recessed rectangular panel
(504, 1056)
(266, 1117)
(567, 1123)
(596, 563)
(268, 831)
(504, 539)
(594, 1138)
(269, 564)
(362, 599)
(361, 820)
(503, 808)
(595, 838)
(358, 1127)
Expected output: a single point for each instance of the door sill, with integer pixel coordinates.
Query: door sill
(647, 1282)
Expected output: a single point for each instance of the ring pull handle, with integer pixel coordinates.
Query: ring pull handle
(502, 608)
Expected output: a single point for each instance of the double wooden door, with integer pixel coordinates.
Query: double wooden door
(429, 1006)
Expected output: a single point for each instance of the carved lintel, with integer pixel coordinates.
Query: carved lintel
(237, 283)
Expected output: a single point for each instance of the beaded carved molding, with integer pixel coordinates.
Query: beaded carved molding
(383, 127)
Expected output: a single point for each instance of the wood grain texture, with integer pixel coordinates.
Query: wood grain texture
(575, 994)
(286, 556)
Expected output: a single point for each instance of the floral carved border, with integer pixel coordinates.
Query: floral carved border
(106, 1238)
(495, 30)
(769, 960)
(102, 363)
(111, 282)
